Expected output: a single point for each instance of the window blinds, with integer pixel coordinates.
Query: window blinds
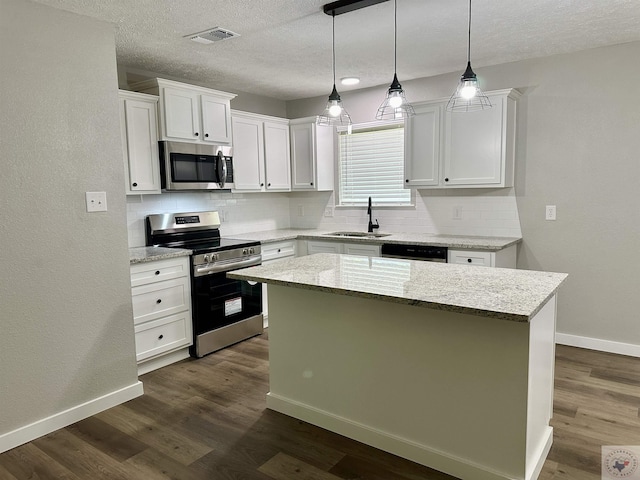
(372, 165)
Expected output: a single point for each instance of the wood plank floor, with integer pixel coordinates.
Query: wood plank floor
(206, 419)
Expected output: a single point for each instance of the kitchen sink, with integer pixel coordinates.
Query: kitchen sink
(358, 234)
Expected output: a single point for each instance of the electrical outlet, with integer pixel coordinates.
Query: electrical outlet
(550, 212)
(457, 212)
(328, 212)
(301, 210)
(96, 201)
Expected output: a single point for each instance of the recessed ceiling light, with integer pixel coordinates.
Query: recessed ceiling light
(350, 80)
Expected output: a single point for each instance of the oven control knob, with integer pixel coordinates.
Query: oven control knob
(244, 251)
(206, 258)
(214, 257)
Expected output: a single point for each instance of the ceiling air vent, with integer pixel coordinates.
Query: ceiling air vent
(212, 35)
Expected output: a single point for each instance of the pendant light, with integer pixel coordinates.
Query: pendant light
(468, 96)
(334, 113)
(395, 105)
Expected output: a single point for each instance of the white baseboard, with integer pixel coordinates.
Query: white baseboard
(422, 454)
(608, 346)
(62, 419)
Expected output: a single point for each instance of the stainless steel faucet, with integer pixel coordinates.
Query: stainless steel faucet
(372, 226)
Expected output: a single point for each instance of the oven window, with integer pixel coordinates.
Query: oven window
(219, 301)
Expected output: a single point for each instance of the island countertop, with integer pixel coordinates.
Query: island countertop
(508, 294)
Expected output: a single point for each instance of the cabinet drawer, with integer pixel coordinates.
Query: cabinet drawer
(143, 273)
(471, 258)
(274, 251)
(162, 335)
(156, 300)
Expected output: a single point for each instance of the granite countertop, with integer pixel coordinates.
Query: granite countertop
(452, 241)
(508, 294)
(150, 254)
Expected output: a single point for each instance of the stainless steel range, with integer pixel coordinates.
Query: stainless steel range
(225, 311)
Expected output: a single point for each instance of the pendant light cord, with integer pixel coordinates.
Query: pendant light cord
(395, 36)
(469, 43)
(333, 48)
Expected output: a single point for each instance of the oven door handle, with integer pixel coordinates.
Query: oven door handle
(201, 270)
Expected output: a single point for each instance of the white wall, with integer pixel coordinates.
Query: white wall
(578, 144)
(66, 343)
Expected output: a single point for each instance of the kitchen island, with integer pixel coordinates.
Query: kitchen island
(447, 365)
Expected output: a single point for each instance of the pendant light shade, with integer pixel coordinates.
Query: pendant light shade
(468, 96)
(395, 105)
(334, 113)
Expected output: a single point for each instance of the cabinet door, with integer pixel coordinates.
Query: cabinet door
(303, 156)
(215, 120)
(422, 147)
(248, 154)
(181, 114)
(277, 160)
(474, 151)
(141, 138)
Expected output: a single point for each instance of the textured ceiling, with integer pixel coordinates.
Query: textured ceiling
(284, 48)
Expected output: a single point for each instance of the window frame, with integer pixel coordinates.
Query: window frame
(364, 127)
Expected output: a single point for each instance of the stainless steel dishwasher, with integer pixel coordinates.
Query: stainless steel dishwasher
(426, 253)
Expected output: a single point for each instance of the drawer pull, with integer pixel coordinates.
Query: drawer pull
(469, 260)
(157, 272)
(278, 250)
(160, 337)
(160, 300)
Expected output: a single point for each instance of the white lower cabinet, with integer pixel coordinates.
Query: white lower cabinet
(161, 298)
(505, 258)
(271, 253)
(370, 250)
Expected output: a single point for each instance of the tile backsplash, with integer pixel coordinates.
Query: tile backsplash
(454, 212)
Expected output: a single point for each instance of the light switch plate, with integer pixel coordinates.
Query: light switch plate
(96, 201)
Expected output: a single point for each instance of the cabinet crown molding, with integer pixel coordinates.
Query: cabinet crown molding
(161, 82)
(259, 116)
(506, 92)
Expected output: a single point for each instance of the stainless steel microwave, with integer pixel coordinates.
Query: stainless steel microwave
(190, 166)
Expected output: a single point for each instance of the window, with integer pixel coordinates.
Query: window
(371, 164)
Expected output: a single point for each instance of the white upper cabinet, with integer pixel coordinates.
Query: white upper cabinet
(139, 130)
(276, 155)
(422, 146)
(261, 159)
(216, 119)
(462, 150)
(312, 155)
(190, 113)
(181, 112)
